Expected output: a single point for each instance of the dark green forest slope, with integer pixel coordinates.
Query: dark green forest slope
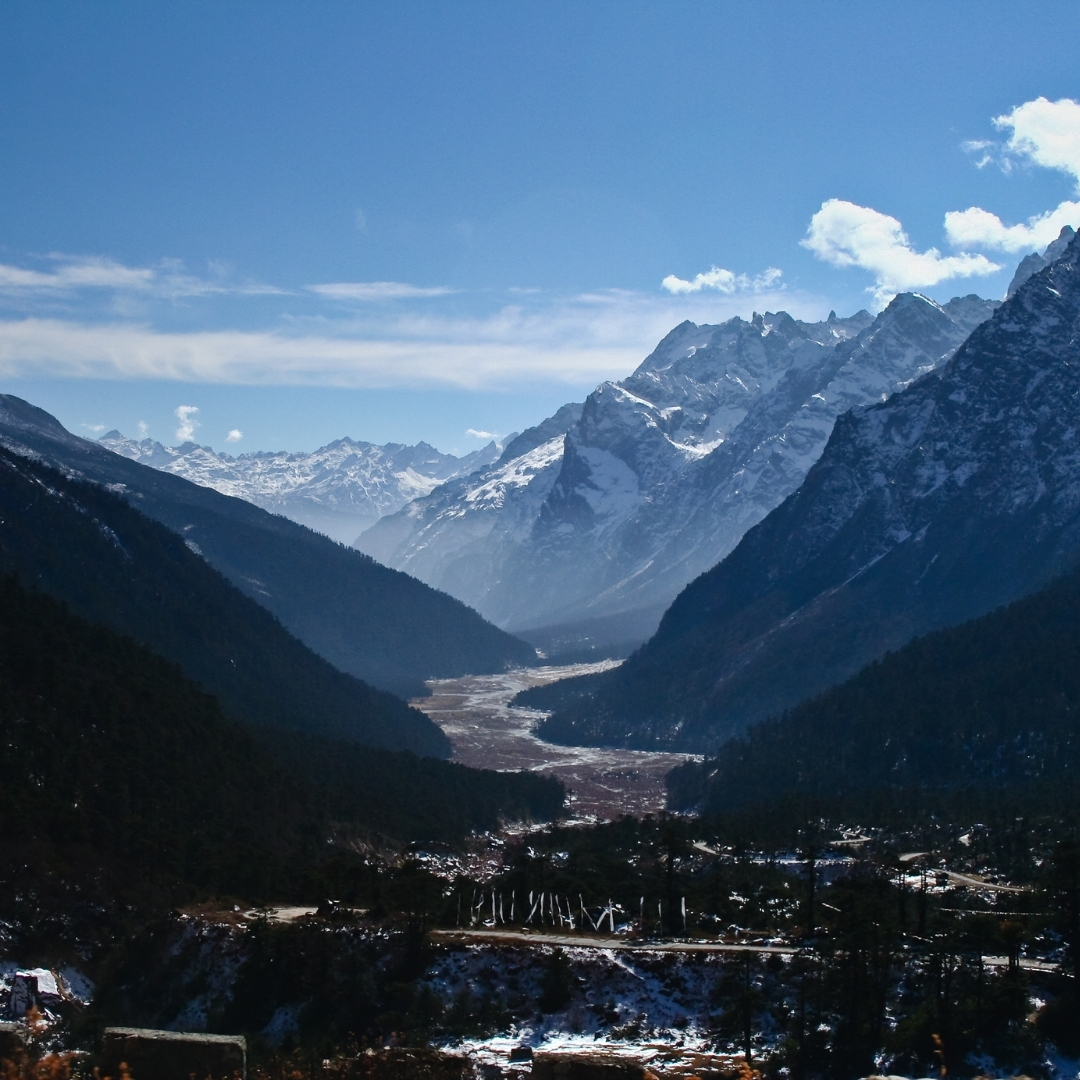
(368, 620)
(987, 707)
(86, 546)
(113, 758)
(120, 773)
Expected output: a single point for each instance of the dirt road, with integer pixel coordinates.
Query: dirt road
(586, 941)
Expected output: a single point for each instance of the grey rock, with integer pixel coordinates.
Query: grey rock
(1033, 263)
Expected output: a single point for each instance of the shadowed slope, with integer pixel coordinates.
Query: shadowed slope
(377, 624)
(112, 565)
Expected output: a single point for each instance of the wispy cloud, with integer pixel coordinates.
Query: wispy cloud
(234, 436)
(983, 152)
(473, 433)
(186, 415)
(846, 234)
(579, 340)
(74, 273)
(376, 290)
(60, 348)
(1043, 133)
(724, 281)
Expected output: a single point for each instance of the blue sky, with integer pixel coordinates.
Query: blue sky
(419, 220)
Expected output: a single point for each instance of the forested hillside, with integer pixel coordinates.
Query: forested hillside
(988, 707)
(375, 623)
(124, 777)
(111, 564)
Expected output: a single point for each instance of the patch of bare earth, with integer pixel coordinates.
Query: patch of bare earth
(486, 733)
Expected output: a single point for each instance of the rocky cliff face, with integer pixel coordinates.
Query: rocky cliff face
(340, 489)
(957, 494)
(611, 508)
(1033, 263)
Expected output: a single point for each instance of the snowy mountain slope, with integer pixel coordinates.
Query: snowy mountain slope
(462, 532)
(956, 495)
(339, 490)
(663, 472)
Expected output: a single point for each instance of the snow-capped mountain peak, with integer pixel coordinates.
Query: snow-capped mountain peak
(339, 489)
(957, 494)
(657, 476)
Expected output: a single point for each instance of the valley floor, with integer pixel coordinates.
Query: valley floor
(486, 733)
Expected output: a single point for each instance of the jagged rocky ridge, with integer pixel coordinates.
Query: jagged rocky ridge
(958, 494)
(1033, 263)
(340, 490)
(369, 621)
(607, 510)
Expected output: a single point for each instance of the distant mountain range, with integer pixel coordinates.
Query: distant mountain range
(374, 623)
(958, 494)
(340, 489)
(587, 526)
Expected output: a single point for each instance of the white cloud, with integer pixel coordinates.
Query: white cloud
(975, 227)
(97, 429)
(96, 273)
(846, 234)
(1047, 133)
(73, 350)
(1044, 133)
(376, 290)
(234, 436)
(982, 150)
(579, 340)
(71, 273)
(186, 415)
(144, 429)
(724, 281)
(473, 433)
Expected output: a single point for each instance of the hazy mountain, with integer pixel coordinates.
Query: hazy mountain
(954, 496)
(340, 489)
(606, 511)
(377, 624)
(113, 565)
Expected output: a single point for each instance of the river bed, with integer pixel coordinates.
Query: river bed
(486, 733)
